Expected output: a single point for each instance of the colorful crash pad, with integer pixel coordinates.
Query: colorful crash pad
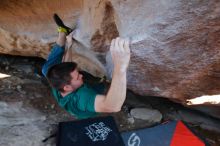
(174, 133)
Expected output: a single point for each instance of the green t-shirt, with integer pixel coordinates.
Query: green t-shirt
(80, 103)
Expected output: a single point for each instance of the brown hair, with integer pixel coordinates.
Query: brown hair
(59, 75)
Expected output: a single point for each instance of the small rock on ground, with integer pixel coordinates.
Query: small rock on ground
(150, 115)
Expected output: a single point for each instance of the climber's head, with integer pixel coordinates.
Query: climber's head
(65, 77)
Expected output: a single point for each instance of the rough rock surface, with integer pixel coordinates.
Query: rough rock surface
(18, 126)
(175, 50)
(27, 27)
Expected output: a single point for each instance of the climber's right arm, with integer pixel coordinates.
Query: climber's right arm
(113, 101)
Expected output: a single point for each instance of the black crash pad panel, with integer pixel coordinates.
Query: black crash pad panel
(90, 132)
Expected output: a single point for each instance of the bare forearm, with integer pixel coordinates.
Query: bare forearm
(117, 92)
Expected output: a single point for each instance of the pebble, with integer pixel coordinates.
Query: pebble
(130, 120)
(6, 68)
(23, 92)
(18, 87)
(37, 95)
(43, 118)
(52, 106)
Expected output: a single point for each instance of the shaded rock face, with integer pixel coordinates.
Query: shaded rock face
(175, 43)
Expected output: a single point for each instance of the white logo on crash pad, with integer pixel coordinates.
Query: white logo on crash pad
(98, 131)
(134, 140)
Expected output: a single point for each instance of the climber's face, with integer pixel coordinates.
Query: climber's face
(77, 78)
(76, 81)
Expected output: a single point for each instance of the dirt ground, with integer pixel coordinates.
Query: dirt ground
(26, 84)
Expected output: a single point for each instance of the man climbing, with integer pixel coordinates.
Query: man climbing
(68, 87)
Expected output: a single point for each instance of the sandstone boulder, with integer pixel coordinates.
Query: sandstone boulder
(175, 43)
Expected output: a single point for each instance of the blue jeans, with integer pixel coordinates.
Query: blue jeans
(55, 57)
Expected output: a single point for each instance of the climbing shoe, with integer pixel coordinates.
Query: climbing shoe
(61, 26)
